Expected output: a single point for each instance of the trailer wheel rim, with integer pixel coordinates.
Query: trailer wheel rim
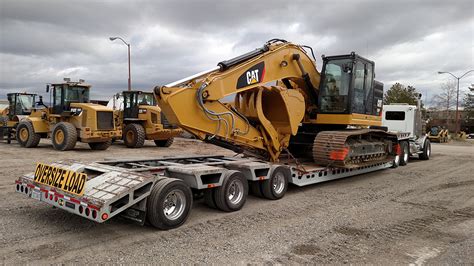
(235, 191)
(278, 183)
(174, 204)
(24, 134)
(59, 136)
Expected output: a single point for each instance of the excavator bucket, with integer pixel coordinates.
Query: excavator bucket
(277, 110)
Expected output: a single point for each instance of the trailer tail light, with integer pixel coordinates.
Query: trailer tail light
(105, 216)
(397, 149)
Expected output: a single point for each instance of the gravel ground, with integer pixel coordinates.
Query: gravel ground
(419, 213)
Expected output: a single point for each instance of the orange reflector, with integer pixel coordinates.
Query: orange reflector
(261, 178)
(210, 186)
(339, 155)
(105, 216)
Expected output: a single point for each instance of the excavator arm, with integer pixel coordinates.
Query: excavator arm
(274, 88)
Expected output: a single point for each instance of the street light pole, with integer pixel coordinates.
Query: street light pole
(129, 71)
(457, 95)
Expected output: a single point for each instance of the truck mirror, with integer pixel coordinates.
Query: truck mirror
(47, 88)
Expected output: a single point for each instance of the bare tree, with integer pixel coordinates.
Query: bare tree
(446, 99)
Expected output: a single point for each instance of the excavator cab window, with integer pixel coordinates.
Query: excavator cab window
(347, 85)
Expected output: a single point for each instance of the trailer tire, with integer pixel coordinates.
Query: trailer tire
(275, 187)
(405, 153)
(231, 196)
(164, 142)
(26, 136)
(425, 155)
(256, 188)
(100, 146)
(169, 204)
(134, 135)
(209, 198)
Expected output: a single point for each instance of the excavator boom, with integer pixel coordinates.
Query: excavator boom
(271, 86)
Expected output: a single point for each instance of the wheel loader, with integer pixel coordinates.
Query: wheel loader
(141, 119)
(284, 107)
(20, 104)
(69, 119)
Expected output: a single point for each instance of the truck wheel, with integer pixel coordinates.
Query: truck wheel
(425, 155)
(134, 136)
(64, 136)
(275, 187)
(26, 136)
(164, 142)
(231, 196)
(100, 146)
(405, 153)
(169, 204)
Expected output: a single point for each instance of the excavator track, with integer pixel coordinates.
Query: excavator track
(351, 148)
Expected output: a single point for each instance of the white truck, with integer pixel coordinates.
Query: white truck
(404, 118)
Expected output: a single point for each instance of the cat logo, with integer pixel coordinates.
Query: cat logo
(253, 75)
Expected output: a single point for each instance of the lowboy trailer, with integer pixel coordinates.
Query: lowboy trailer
(161, 190)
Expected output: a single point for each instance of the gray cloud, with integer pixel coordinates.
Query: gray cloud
(43, 41)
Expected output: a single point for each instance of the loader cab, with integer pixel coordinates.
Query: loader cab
(348, 87)
(20, 104)
(135, 102)
(63, 94)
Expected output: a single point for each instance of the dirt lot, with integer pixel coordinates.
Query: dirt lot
(423, 212)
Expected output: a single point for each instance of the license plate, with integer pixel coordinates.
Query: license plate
(36, 194)
(63, 179)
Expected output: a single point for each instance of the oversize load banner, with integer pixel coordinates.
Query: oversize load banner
(59, 178)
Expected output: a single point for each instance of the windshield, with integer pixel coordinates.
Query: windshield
(76, 94)
(146, 99)
(335, 86)
(26, 102)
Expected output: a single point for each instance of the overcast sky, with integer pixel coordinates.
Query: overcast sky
(44, 41)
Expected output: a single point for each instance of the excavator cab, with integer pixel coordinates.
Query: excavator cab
(20, 104)
(348, 88)
(66, 93)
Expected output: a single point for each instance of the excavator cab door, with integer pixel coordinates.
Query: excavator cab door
(130, 104)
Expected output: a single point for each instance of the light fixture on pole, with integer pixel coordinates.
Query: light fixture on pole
(457, 94)
(129, 72)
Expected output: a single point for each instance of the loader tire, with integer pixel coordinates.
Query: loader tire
(275, 187)
(405, 153)
(100, 146)
(425, 155)
(134, 136)
(64, 136)
(26, 136)
(169, 204)
(231, 196)
(164, 142)
(3, 129)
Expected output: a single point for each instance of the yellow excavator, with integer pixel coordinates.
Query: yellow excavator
(284, 107)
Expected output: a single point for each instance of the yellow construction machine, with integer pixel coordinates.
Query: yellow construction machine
(141, 119)
(69, 119)
(284, 107)
(438, 134)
